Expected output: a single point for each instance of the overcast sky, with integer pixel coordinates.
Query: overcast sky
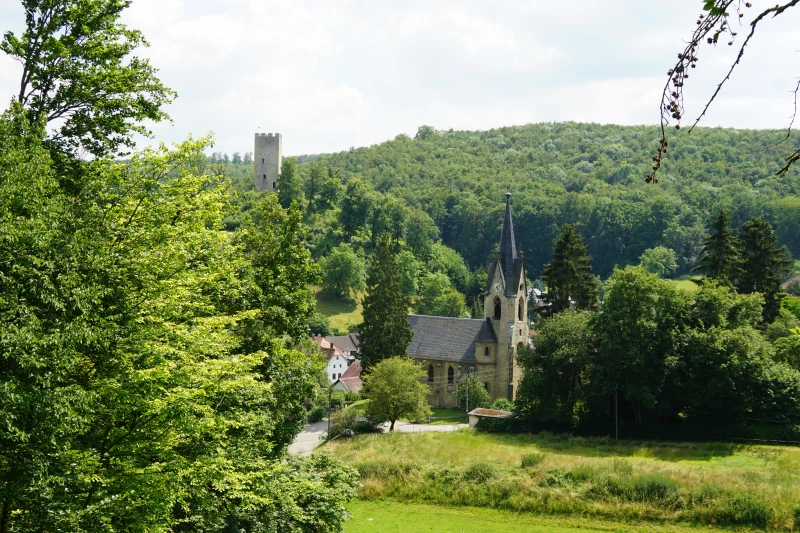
(333, 74)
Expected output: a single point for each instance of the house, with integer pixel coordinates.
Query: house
(450, 349)
(337, 360)
(348, 344)
(350, 381)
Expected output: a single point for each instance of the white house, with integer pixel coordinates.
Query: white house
(337, 360)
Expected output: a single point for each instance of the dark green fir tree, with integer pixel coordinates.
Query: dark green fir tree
(384, 331)
(569, 273)
(763, 264)
(719, 258)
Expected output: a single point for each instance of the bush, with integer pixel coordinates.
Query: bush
(342, 423)
(503, 404)
(367, 426)
(655, 487)
(742, 510)
(351, 397)
(532, 459)
(316, 413)
(337, 400)
(480, 472)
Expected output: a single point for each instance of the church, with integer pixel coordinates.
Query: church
(450, 349)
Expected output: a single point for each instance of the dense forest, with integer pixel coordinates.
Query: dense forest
(448, 186)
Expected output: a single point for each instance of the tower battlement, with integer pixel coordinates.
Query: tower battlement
(267, 160)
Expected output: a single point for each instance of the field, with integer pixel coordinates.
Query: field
(341, 314)
(376, 516)
(686, 284)
(708, 484)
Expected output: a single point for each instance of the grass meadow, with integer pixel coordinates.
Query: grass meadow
(381, 516)
(646, 483)
(341, 314)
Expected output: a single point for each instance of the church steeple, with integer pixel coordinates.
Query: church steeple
(508, 248)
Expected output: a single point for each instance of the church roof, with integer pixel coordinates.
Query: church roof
(448, 339)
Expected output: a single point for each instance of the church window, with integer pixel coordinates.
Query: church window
(519, 312)
(273, 184)
(430, 373)
(487, 386)
(450, 376)
(497, 309)
(486, 352)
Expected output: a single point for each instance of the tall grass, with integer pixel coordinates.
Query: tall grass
(709, 484)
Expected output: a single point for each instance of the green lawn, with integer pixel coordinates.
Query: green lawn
(713, 484)
(686, 284)
(388, 516)
(448, 416)
(341, 314)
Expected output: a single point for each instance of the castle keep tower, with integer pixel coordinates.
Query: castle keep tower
(267, 159)
(505, 303)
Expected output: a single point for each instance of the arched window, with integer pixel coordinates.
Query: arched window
(486, 352)
(430, 373)
(519, 312)
(450, 376)
(497, 309)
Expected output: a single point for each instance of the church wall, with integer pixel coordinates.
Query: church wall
(444, 394)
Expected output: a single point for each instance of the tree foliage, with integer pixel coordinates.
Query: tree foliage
(472, 393)
(78, 69)
(384, 331)
(342, 273)
(395, 390)
(719, 258)
(661, 261)
(568, 275)
(141, 388)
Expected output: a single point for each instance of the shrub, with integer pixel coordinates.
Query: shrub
(316, 413)
(741, 510)
(342, 423)
(654, 487)
(337, 400)
(367, 426)
(503, 404)
(532, 459)
(480, 472)
(351, 397)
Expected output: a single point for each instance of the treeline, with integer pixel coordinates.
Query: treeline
(585, 174)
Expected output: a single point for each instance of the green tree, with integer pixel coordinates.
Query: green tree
(384, 331)
(638, 332)
(763, 264)
(553, 387)
(127, 355)
(410, 270)
(289, 187)
(719, 258)
(569, 273)
(237, 158)
(356, 207)
(79, 72)
(437, 297)
(472, 393)
(660, 261)
(342, 273)
(395, 390)
(282, 267)
(421, 233)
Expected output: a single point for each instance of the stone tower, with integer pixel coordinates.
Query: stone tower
(505, 303)
(267, 159)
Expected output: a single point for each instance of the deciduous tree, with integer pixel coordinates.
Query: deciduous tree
(78, 69)
(395, 390)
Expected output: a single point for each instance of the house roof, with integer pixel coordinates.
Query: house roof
(448, 339)
(786, 283)
(351, 379)
(346, 343)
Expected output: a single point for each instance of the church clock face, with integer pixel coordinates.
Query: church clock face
(497, 287)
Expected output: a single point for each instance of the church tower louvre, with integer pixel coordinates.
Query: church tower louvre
(506, 305)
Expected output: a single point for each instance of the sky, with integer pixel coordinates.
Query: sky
(334, 74)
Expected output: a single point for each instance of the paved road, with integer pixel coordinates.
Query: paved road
(308, 439)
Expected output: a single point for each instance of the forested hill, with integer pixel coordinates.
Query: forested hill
(588, 174)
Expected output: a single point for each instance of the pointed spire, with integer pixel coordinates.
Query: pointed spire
(508, 248)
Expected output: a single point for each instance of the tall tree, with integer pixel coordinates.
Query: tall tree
(569, 273)
(637, 336)
(385, 331)
(289, 187)
(342, 273)
(78, 69)
(719, 258)
(763, 264)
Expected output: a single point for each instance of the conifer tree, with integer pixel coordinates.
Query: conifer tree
(763, 263)
(719, 258)
(569, 273)
(384, 331)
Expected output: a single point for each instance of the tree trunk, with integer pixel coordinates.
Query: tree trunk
(637, 411)
(391, 427)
